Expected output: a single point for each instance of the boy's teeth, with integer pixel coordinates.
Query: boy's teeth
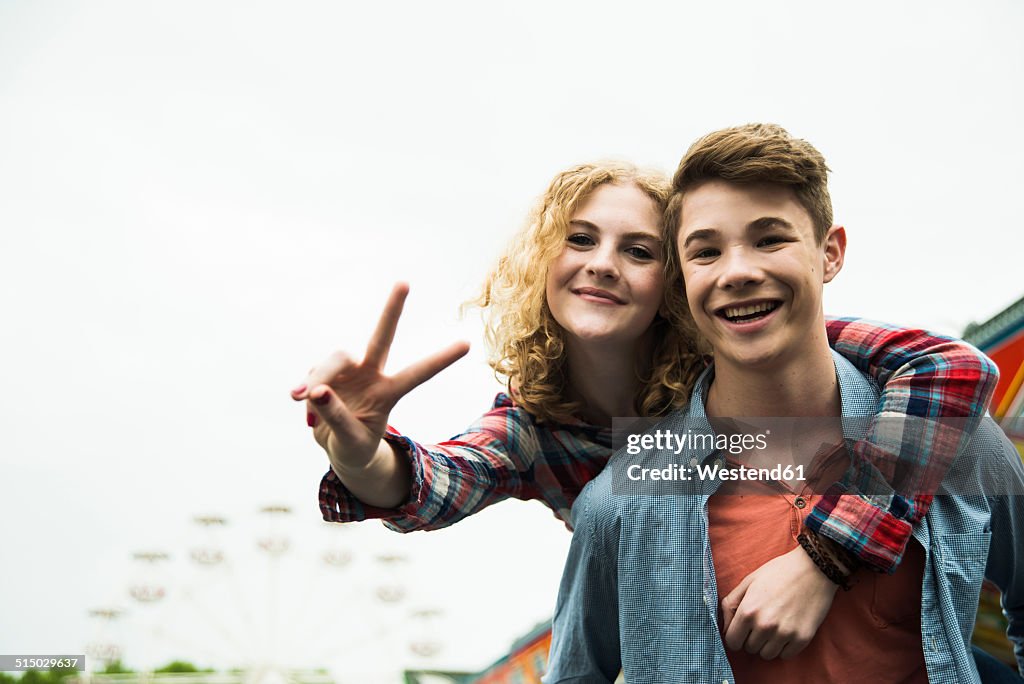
(735, 311)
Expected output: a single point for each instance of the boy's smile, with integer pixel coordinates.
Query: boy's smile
(754, 271)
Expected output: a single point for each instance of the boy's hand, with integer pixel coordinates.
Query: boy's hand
(777, 609)
(348, 402)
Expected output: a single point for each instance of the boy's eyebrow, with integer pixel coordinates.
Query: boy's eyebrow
(766, 222)
(763, 223)
(633, 235)
(701, 234)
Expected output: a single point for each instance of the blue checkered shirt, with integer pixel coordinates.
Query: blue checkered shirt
(639, 592)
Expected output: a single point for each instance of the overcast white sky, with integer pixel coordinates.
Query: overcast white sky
(199, 200)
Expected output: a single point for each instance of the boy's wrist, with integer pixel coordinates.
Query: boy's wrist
(835, 562)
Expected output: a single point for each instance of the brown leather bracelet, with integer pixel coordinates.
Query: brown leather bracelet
(812, 545)
(838, 554)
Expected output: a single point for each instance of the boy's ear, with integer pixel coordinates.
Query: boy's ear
(835, 252)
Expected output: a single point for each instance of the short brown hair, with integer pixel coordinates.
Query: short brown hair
(755, 153)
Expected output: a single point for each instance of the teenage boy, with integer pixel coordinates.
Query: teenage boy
(752, 222)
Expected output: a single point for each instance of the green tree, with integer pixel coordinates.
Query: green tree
(57, 674)
(179, 666)
(115, 667)
(35, 677)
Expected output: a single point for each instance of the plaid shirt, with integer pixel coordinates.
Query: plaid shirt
(507, 454)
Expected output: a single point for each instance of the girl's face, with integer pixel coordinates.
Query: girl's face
(607, 284)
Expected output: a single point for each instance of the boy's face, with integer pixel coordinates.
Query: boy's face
(754, 272)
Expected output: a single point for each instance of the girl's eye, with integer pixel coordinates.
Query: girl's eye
(640, 252)
(581, 239)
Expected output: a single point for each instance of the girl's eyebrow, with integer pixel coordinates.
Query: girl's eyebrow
(632, 235)
(639, 235)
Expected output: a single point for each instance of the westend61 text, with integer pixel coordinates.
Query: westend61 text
(666, 440)
(714, 471)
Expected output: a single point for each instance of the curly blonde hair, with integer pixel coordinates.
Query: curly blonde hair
(527, 345)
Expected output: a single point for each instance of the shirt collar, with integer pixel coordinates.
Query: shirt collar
(858, 395)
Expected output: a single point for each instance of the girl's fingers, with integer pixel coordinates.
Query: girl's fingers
(423, 370)
(333, 366)
(328, 407)
(380, 343)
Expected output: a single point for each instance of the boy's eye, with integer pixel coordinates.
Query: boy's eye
(770, 240)
(706, 253)
(581, 239)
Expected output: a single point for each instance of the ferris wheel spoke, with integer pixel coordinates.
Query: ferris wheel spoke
(326, 620)
(294, 620)
(339, 647)
(161, 636)
(240, 604)
(211, 620)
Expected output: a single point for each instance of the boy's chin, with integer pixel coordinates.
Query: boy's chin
(752, 358)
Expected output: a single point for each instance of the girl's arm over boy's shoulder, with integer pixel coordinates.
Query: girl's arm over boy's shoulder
(923, 375)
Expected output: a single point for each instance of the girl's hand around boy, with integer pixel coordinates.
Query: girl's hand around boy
(348, 403)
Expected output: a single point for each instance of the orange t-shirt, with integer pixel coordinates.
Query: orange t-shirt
(872, 633)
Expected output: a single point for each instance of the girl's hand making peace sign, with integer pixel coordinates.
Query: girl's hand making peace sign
(348, 403)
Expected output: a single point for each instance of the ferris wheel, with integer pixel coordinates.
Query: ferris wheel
(253, 598)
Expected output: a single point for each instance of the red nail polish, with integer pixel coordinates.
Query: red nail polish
(322, 399)
(311, 419)
(299, 390)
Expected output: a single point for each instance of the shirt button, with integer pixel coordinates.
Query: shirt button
(800, 502)
(693, 461)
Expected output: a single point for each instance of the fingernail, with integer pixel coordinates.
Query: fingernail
(311, 420)
(322, 399)
(299, 390)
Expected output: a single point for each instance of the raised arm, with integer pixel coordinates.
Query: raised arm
(502, 455)
(378, 473)
(348, 404)
(922, 376)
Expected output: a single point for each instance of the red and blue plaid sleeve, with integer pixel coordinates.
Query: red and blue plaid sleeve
(924, 376)
(503, 455)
